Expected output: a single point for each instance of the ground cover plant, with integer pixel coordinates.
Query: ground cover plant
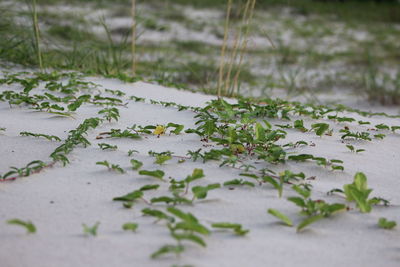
(175, 173)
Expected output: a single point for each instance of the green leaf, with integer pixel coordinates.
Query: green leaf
(149, 187)
(136, 164)
(385, 224)
(130, 227)
(309, 221)
(130, 197)
(237, 228)
(166, 249)
(191, 237)
(298, 201)
(281, 217)
(158, 214)
(320, 128)
(161, 159)
(156, 174)
(28, 225)
(197, 174)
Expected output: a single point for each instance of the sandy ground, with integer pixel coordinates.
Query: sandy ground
(60, 199)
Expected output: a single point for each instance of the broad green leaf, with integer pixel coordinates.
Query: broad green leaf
(280, 216)
(309, 221)
(136, 164)
(201, 191)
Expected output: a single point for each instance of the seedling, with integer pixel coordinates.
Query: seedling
(238, 182)
(111, 167)
(320, 128)
(358, 192)
(28, 225)
(131, 151)
(110, 114)
(90, 230)
(385, 224)
(104, 146)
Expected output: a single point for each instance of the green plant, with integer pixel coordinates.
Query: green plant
(111, 167)
(156, 174)
(237, 228)
(104, 146)
(386, 224)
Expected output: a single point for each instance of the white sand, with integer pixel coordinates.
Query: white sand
(59, 200)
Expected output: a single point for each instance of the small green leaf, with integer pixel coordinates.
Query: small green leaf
(130, 197)
(166, 249)
(149, 187)
(28, 225)
(280, 216)
(309, 221)
(136, 164)
(156, 174)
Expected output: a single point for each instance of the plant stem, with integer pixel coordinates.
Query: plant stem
(244, 44)
(224, 45)
(133, 14)
(37, 34)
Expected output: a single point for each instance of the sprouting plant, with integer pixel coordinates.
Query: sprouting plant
(237, 228)
(104, 146)
(358, 192)
(379, 136)
(130, 226)
(320, 128)
(110, 114)
(2, 129)
(111, 167)
(90, 230)
(48, 137)
(31, 167)
(28, 225)
(156, 174)
(136, 165)
(314, 210)
(386, 224)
